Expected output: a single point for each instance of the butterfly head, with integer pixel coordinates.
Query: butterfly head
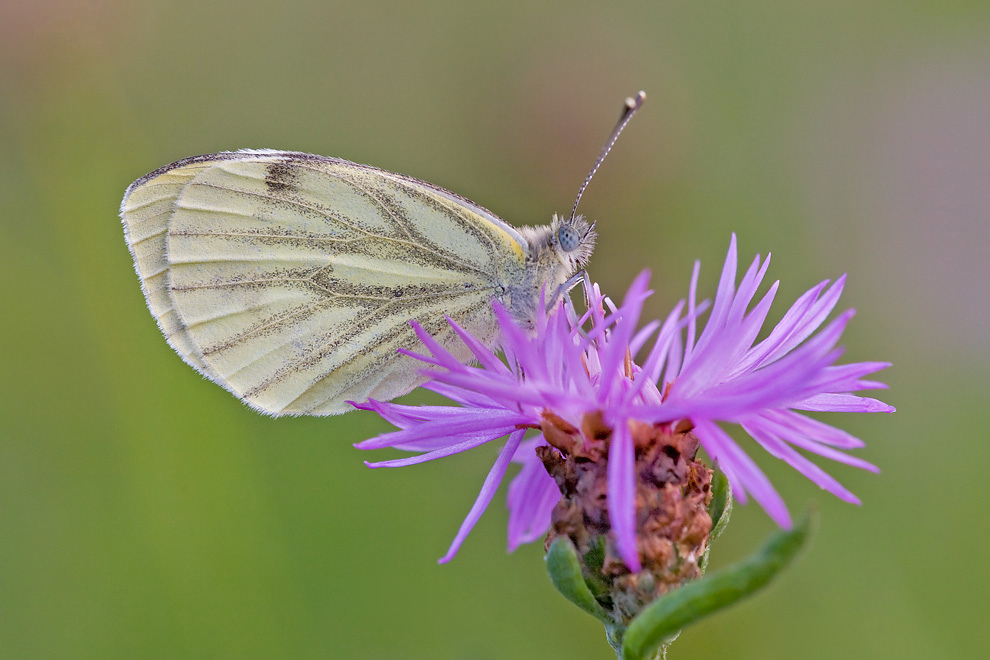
(558, 250)
(572, 240)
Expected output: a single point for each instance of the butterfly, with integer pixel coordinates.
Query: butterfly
(290, 279)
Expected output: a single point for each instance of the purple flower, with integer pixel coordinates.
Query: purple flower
(574, 366)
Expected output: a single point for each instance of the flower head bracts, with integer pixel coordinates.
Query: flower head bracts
(574, 366)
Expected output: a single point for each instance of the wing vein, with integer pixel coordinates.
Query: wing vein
(433, 250)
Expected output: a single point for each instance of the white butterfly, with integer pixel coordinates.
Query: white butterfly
(290, 279)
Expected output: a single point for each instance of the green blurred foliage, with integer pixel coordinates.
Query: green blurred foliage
(146, 513)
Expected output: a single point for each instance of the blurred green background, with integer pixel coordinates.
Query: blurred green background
(145, 513)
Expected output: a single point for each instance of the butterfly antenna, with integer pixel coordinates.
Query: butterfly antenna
(630, 108)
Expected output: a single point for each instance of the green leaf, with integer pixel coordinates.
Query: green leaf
(564, 568)
(667, 615)
(720, 509)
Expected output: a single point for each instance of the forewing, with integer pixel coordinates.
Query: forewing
(290, 279)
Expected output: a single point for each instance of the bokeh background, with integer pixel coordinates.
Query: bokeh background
(145, 513)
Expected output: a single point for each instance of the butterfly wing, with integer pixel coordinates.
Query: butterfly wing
(290, 279)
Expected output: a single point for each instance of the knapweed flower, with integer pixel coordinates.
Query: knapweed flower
(624, 422)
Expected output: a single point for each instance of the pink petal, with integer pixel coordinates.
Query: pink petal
(488, 490)
(622, 495)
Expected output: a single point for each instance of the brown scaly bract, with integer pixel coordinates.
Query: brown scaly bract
(672, 521)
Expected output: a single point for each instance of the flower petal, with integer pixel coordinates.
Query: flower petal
(724, 449)
(488, 490)
(532, 496)
(622, 495)
(780, 449)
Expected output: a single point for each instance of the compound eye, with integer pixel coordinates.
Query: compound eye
(568, 238)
